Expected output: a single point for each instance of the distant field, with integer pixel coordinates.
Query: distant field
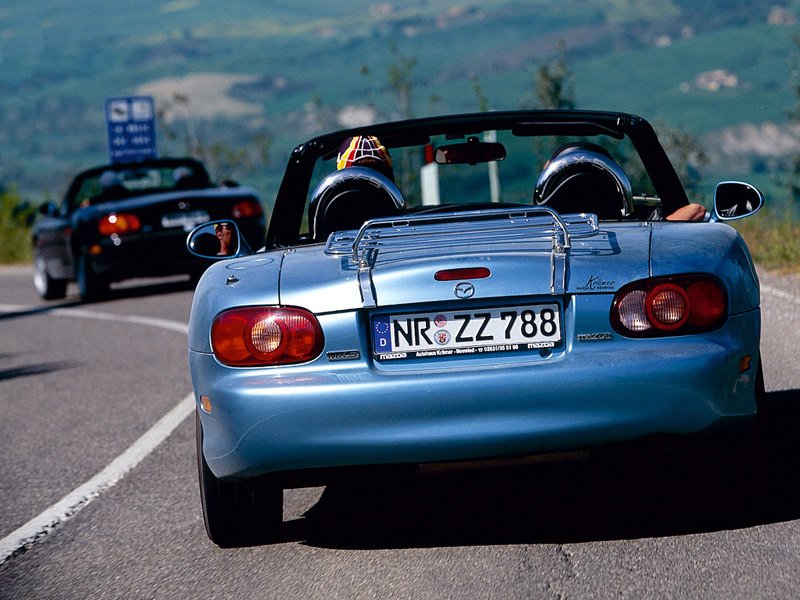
(757, 54)
(295, 67)
(282, 71)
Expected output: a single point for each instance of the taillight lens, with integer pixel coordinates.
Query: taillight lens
(266, 336)
(246, 209)
(674, 305)
(667, 306)
(119, 223)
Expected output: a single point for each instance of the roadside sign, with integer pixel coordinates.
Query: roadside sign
(131, 128)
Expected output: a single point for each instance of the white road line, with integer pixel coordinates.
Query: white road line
(72, 503)
(101, 316)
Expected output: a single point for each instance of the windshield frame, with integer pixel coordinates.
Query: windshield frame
(290, 204)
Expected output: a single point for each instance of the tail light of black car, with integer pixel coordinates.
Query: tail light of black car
(118, 223)
(247, 209)
(675, 305)
(261, 336)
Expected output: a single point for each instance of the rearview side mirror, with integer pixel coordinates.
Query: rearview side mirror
(216, 239)
(736, 200)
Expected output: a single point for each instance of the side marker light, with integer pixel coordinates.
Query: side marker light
(745, 363)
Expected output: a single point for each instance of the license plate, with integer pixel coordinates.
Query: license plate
(479, 331)
(188, 220)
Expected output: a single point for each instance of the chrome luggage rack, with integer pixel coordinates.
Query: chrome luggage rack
(451, 230)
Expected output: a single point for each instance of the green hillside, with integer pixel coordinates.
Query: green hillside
(284, 70)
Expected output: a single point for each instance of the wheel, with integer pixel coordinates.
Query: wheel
(760, 388)
(90, 286)
(236, 514)
(763, 413)
(47, 287)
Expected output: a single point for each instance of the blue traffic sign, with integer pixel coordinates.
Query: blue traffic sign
(131, 128)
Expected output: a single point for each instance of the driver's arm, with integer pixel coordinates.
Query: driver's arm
(690, 212)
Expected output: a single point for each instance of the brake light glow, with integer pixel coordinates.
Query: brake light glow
(462, 274)
(675, 305)
(118, 223)
(259, 336)
(246, 209)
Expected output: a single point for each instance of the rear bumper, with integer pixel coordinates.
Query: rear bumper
(142, 256)
(328, 415)
(152, 254)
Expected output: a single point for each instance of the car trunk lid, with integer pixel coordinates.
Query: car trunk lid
(518, 255)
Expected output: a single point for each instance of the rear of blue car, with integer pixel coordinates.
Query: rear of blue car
(461, 311)
(424, 375)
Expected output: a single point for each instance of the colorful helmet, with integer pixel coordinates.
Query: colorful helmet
(365, 151)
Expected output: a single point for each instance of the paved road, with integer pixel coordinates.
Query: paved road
(79, 385)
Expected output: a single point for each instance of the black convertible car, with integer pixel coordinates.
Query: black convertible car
(130, 220)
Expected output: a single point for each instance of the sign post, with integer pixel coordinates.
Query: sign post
(131, 128)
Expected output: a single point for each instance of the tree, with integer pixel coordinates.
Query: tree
(401, 81)
(16, 218)
(686, 155)
(401, 84)
(483, 101)
(793, 114)
(553, 88)
(223, 158)
(554, 84)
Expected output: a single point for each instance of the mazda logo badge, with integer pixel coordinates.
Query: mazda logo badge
(464, 290)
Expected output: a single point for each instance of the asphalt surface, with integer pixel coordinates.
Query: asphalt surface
(78, 387)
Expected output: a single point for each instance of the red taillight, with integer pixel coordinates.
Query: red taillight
(246, 209)
(266, 336)
(708, 303)
(669, 306)
(462, 274)
(119, 223)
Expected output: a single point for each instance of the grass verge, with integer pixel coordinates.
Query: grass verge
(16, 219)
(774, 240)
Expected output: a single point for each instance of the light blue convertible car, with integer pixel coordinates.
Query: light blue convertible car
(467, 288)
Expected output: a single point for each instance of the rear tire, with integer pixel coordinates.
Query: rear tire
(47, 287)
(760, 386)
(763, 413)
(237, 514)
(90, 286)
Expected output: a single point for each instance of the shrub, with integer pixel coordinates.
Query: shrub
(16, 218)
(774, 240)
